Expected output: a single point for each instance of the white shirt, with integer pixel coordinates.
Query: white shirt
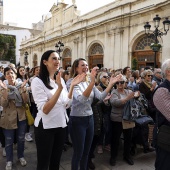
(57, 117)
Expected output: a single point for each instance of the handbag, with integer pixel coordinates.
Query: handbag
(128, 124)
(131, 110)
(163, 138)
(143, 119)
(29, 116)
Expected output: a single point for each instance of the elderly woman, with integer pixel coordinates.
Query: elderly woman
(161, 100)
(118, 99)
(13, 97)
(147, 88)
(104, 139)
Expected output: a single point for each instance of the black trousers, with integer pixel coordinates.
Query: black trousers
(162, 159)
(117, 129)
(2, 137)
(49, 143)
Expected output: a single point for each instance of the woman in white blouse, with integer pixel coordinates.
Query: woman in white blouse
(52, 98)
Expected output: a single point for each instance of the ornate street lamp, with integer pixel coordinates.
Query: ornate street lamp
(156, 33)
(26, 58)
(59, 47)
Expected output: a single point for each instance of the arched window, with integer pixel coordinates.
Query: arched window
(96, 49)
(144, 42)
(66, 53)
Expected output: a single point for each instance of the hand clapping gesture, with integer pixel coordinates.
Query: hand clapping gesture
(4, 89)
(79, 78)
(93, 74)
(113, 79)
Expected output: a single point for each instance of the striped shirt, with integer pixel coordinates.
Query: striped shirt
(161, 100)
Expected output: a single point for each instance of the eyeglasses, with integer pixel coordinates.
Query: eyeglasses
(150, 75)
(106, 77)
(159, 72)
(120, 82)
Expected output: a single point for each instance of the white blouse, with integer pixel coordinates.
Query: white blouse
(57, 117)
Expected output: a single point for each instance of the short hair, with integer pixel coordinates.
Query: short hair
(125, 70)
(165, 66)
(145, 72)
(9, 68)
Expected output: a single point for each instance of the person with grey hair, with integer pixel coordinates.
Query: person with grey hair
(158, 77)
(147, 88)
(161, 101)
(119, 97)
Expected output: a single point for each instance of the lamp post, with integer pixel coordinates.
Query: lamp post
(59, 47)
(156, 33)
(26, 58)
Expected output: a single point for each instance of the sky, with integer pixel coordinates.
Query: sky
(26, 12)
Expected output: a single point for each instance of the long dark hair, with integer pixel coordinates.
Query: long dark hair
(44, 74)
(19, 75)
(73, 72)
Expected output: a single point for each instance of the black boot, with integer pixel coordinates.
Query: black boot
(90, 164)
(128, 160)
(112, 161)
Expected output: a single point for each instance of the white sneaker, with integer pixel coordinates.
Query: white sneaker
(23, 161)
(8, 165)
(28, 137)
(3, 152)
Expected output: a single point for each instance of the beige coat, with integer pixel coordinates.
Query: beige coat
(8, 119)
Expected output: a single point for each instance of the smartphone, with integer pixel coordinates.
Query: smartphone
(56, 74)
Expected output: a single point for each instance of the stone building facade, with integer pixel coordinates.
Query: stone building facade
(110, 36)
(1, 12)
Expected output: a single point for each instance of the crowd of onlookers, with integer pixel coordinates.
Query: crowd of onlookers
(91, 104)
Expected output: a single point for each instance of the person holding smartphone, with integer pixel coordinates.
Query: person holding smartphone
(52, 99)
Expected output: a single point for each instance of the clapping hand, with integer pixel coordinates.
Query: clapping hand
(93, 73)
(79, 78)
(58, 79)
(113, 79)
(3, 85)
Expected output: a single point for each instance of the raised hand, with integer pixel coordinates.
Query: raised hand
(107, 97)
(93, 73)
(3, 85)
(79, 78)
(113, 79)
(58, 79)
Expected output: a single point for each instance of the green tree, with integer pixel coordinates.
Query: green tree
(134, 64)
(7, 47)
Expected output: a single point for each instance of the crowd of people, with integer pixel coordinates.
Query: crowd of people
(84, 108)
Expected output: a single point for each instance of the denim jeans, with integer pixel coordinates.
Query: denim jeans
(81, 133)
(9, 140)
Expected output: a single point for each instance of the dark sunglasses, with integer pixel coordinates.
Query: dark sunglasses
(120, 82)
(150, 75)
(106, 77)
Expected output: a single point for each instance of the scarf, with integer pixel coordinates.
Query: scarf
(14, 93)
(148, 84)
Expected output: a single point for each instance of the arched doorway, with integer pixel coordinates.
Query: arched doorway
(96, 56)
(35, 60)
(66, 58)
(144, 54)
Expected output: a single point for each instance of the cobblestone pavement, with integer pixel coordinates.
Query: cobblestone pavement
(141, 161)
